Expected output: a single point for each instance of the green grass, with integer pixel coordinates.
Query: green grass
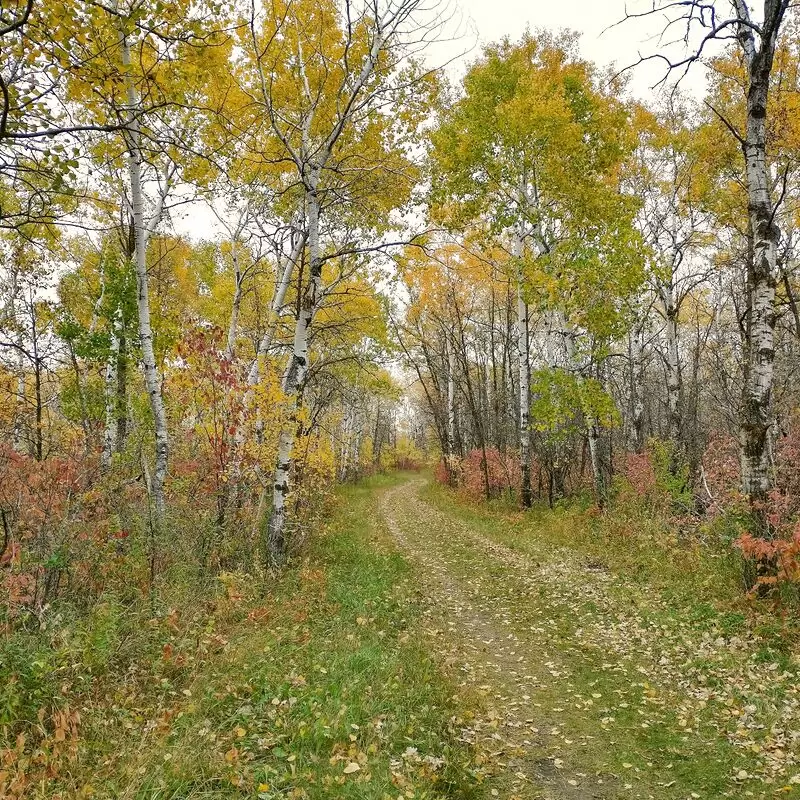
(318, 683)
(317, 688)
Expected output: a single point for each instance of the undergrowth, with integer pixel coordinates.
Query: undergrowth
(311, 686)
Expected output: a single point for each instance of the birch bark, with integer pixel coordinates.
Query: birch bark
(451, 398)
(756, 414)
(294, 378)
(523, 348)
(636, 381)
(111, 379)
(142, 230)
(673, 364)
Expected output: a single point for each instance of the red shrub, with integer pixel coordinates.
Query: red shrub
(721, 474)
(55, 526)
(504, 473)
(640, 473)
(777, 560)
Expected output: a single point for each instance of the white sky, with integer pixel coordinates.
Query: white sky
(601, 40)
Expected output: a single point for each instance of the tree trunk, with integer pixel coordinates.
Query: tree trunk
(122, 388)
(111, 399)
(756, 413)
(152, 379)
(523, 346)
(281, 287)
(593, 434)
(233, 325)
(85, 422)
(673, 366)
(377, 439)
(37, 383)
(451, 410)
(345, 449)
(636, 379)
(294, 378)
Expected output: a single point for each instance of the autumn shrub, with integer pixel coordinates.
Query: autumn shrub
(29, 677)
(468, 474)
(60, 530)
(658, 480)
(502, 470)
(769, 541)
(766, 533)
(772, 565)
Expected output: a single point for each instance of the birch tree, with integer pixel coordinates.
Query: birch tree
(135, 75)
(530, 153)
(329, 132)
(663, 172)
(756, 38)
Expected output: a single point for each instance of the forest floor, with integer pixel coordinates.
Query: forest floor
(605, 670)
(425, 648)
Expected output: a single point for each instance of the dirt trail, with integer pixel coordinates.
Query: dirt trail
(473, 630)
(596, 688)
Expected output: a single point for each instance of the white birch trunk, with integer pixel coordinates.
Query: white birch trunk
(281, 287)
(344, 458)
(294, 379)
(490, 418)
(591, 421)
(310, 173)
(523, 349)
(636, 378)
(254, 373)
(355, 445)
(593, 433)
(111, 399)
(152, 378)
(233, 325)
(18, 439)
(451, 399)
(673, 368)
(756, 415)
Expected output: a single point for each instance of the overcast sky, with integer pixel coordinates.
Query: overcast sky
(602, 41)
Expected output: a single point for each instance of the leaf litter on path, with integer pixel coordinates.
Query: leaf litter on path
(590, 696)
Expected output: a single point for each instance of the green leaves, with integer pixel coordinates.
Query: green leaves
(535, 145)
(562, 401)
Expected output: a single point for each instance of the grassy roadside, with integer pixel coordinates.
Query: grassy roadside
(665, 682)
(317, 689)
